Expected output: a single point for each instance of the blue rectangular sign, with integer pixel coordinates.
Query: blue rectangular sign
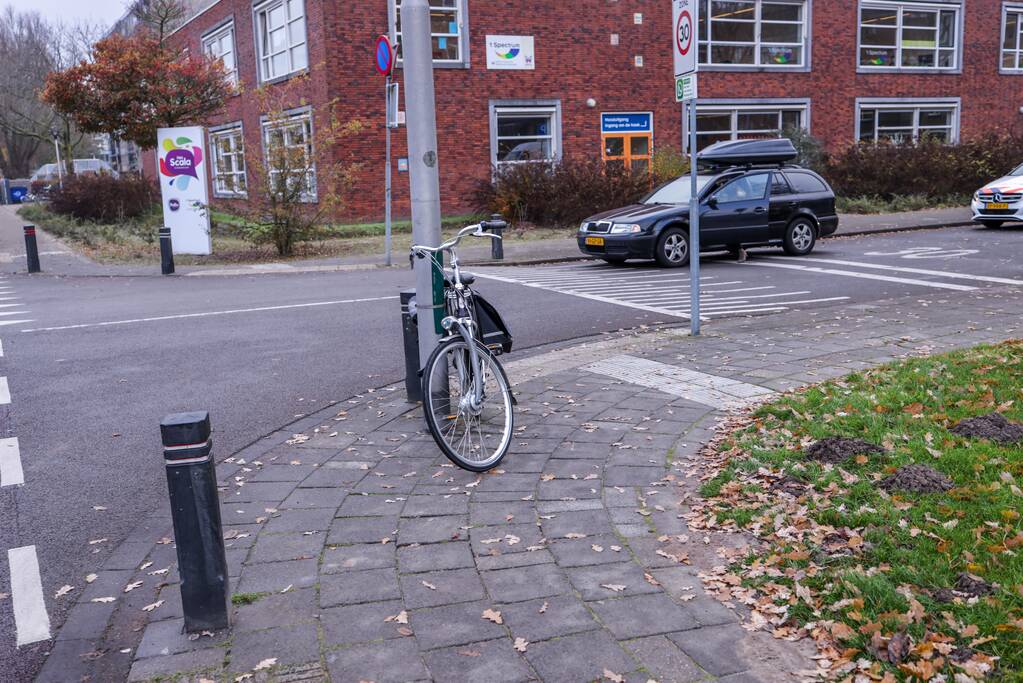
(627, 123)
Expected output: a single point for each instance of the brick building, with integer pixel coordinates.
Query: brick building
(522, 79)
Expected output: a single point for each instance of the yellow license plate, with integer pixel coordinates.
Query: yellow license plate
(997, 205)
(595, 241)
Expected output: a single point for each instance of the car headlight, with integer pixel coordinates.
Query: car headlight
(625, 228)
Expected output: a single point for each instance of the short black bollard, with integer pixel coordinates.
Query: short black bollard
(166, 252)
(496, 225)
(410, 333)
(31, 249)
(198, 531)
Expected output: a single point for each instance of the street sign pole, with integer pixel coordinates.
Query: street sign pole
(424, 176)
(686, 20)
(387, 174)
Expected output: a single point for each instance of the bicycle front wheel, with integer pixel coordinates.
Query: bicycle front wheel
(474, 429)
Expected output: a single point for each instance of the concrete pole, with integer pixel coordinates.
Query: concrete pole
(424, 176)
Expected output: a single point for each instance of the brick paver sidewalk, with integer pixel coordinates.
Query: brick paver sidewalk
(358, 553)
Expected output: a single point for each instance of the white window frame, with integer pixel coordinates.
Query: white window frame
(551, 108)
(735, 108)
(1017, 50)
(264, 58)
(900, 6)
(461, 10)
(216, 37)
(916, 106)
(233, 131)
(805, 24)
(295, 118)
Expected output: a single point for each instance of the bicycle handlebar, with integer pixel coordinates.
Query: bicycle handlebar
(475, 230)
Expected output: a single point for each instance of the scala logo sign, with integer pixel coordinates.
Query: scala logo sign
(510, 52)
(180, 161)
(182, 164)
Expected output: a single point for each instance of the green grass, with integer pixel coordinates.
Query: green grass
(913, 544)
(246, 598)
(898, 204)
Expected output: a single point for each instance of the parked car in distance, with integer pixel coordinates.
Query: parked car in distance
(47, 173)
(749, 196)
(1000, 201)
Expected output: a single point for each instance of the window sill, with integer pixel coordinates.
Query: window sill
(231, 195)
(754, 69)
(1010, 72)
(908, 70)
(285, 77)
(440, 65)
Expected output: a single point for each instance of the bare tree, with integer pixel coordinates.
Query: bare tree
(160, 16)
(30, 48)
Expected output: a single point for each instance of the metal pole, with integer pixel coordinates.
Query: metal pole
(60, 166)
(198, 529)
(424, 177)
(31, 249)
(694, 228)
(387, 172)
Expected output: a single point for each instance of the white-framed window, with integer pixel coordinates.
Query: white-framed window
(716, 123)
(525, 132)
(447, 28)
(218, 45)
(1012, 38)
(909, 35)
(907, 121)
(281, 38)
(288, 148)
(227, 148)
(753, 33)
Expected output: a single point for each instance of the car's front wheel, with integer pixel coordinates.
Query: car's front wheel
(672, 248)
(800, 237)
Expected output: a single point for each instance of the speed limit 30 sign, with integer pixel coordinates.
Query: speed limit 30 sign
(685, 14)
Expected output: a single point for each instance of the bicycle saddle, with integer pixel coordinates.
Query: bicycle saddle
(467, 278)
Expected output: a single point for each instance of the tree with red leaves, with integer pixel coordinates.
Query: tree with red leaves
(134, 85)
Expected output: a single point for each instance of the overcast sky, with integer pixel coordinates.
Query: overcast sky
(103, 12)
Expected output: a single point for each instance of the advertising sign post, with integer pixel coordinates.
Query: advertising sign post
(385, 58)
(686, 18)
(181, 158)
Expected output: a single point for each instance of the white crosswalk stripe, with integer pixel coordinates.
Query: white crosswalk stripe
(657, 291)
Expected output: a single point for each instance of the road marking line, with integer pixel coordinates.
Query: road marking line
(710, 293)
(919, 271)
(711, 390)
(5, 392)
(1, 349)
(30, 617)
(15, 322)
(863, 276)
(712, 314)
(9, 305)
(591, 297)
(712, 299)
(11, 473)
(206, 314)
(13, 312)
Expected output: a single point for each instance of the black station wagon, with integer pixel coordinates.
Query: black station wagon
(750, 196)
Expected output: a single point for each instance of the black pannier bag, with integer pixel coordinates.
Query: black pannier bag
(493, 331)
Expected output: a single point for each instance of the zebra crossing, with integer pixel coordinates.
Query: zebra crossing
(12, 312)
(664, 292)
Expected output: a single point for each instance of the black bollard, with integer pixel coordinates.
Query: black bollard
(410, 334)
(31, 249)
(198, 531)
(166, 252)
(496, 225)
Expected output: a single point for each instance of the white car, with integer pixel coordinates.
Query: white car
(1000, 201)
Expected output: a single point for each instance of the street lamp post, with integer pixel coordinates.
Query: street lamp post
(60, 166)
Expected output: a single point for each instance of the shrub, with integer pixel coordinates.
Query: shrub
(810, 149)
(928, 168)
(104, 198)
(559, 194)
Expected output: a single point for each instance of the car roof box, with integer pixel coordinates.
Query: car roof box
(746, 152)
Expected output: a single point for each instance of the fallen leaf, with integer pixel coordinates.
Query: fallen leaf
(159, 572)
(265, 664)
(103, 599)
(62, 591)
(89, 578)
(543, 607)
(405, 631)
(493, 615)
(469, 653)
(132, 586)
(596, 548)
(613, 677)
(400, 618)
(98, 508)
(98, 540)
(575, 534)
(429, 585)
(152, 606)
(616, 587)
(3, 596)
(145, 566)
(521, 644)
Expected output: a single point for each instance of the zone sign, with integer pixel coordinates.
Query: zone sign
(685, 14)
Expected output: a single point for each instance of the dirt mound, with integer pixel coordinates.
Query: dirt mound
(993, 426)
(973, 585)
(836, 449)
(917, 479)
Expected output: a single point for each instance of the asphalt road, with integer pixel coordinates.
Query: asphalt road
(97, 361)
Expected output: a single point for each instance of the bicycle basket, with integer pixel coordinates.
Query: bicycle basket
(493, 332)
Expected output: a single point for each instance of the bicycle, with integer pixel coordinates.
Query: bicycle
(466, 395)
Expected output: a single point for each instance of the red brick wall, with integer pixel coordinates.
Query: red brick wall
(575, 61)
